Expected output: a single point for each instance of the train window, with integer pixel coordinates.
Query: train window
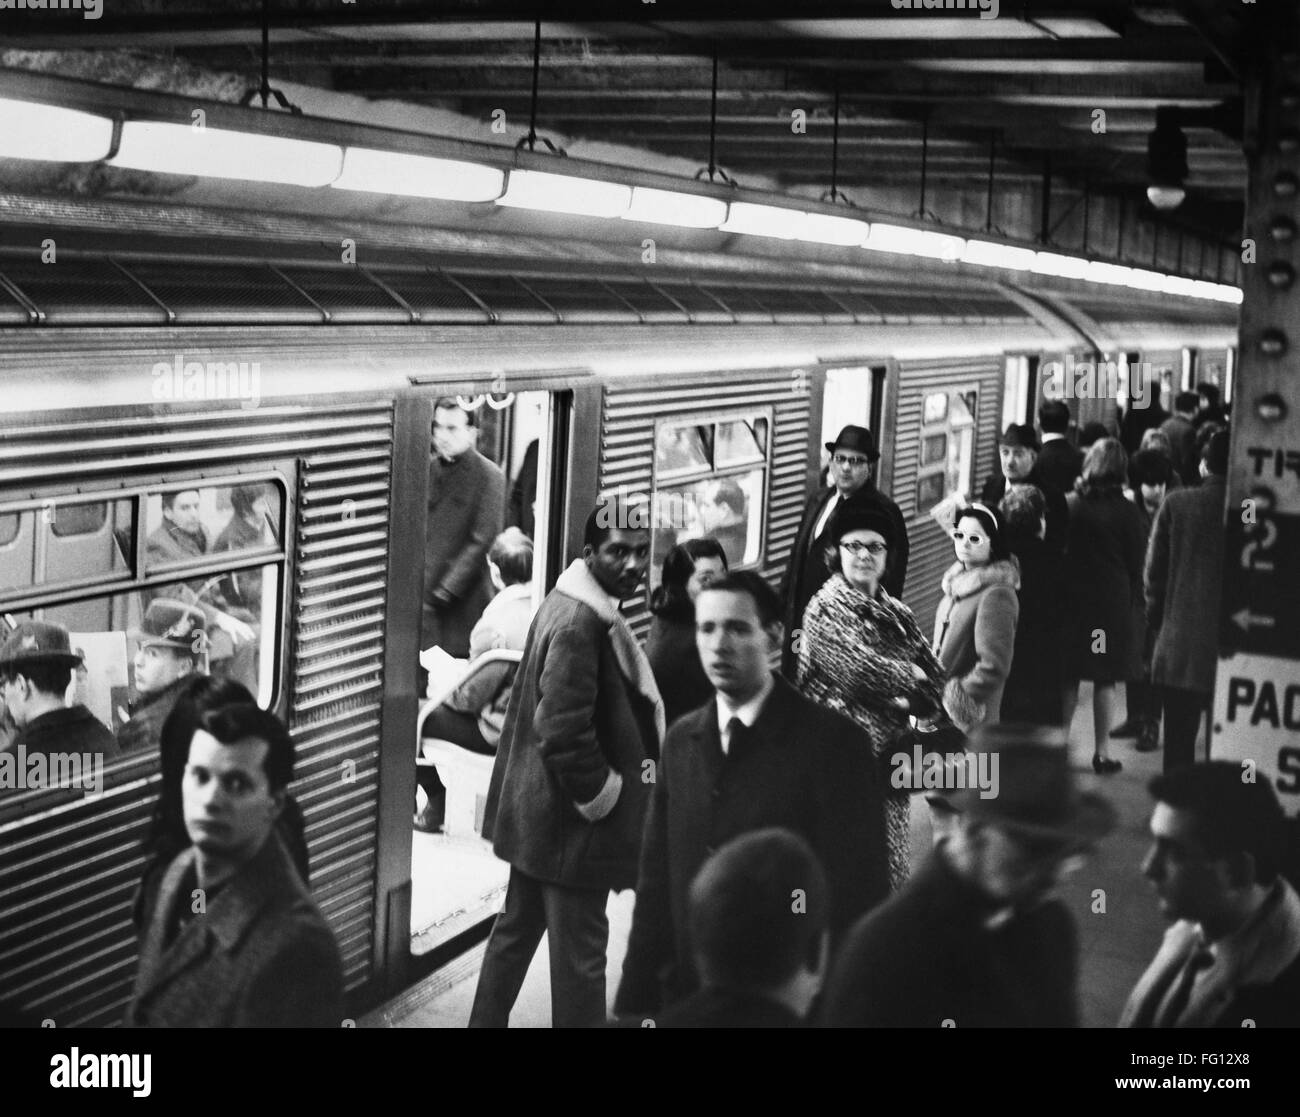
(184, 525)
(947, 450)
(54, 543)
(711, 480)
(79, 519)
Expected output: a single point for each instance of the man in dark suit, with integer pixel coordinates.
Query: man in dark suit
(1232, 952)
(759, 755)
(466, 505)
(852, 468)
(1058, 463)
(1018, 458)
(757, 918)
(974, 938)
(232, 938)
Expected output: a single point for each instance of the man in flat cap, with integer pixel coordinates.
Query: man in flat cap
(975, 939)
(1018, 458)
(852, 469)
(171, 644)
(36, 664)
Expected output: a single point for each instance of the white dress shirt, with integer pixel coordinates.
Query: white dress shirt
(825, 517)
(748, 713)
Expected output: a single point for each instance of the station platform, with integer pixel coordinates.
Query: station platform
(1119, 929)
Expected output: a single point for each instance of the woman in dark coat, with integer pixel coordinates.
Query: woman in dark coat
(1104, 585)
(670, 648)
(862, 654)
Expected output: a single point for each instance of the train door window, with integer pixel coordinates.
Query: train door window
(141, 618)
(1018, 389)
(710, 479)
(848, 398)
(947, 445)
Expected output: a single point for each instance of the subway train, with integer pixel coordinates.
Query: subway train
(165, 354)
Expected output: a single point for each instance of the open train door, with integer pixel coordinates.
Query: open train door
(1256, 715)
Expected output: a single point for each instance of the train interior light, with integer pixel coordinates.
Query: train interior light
(566, 194)
(418, 176)
(29, 130)
(671, 207)
(182, 149)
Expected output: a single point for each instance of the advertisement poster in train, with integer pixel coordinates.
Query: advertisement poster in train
(100, 683)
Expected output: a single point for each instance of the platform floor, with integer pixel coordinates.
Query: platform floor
(1117, 940)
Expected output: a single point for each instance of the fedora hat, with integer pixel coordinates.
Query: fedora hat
(1037, 795)
(172, 624)
(35, 642)
(857, 439)
(1020, 434)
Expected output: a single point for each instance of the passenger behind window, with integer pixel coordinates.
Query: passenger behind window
(182, 536)
(36, 663)
(171, 645)
(249, 527)
(473, 715)
(722, 513)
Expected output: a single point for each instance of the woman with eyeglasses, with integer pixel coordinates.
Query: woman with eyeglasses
(862, 654)
(1104, 582)
(975, 624)
(670, 648)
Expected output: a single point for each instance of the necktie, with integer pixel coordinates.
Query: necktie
(1172, 1008)
(735, 734)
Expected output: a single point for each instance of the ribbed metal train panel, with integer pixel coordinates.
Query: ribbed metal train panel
(931, 550)
(67, 947)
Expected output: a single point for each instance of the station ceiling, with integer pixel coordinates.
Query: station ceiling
(1026, 86)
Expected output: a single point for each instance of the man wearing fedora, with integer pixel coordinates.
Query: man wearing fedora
(36, 664)
(1018, 460)
(975, 939)
(1231, 957)
(171, 644)
(851, 473)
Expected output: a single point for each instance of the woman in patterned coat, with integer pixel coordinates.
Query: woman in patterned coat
(861, 653)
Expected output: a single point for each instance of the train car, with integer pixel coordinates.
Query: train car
(237, 359)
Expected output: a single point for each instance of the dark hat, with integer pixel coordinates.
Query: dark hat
(1020, 434)
(35, 642)
(849, 518)
(171, 624)
(1036, 791)
(857, 439)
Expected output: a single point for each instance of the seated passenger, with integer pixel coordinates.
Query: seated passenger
(761, 956)
(472, 716)
(36, 663)
(249, 527)
(171, 643)
(723, 515)
(183, 536)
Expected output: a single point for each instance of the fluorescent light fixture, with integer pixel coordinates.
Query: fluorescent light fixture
(990, 254)
(57, 135)
(1166, 197)
(1177, 285)
(1053, 263)
(565, 194)
(764, 221)
(1146, 280)
(671, 207)
(825, 228)
(179, 149)
(1116, 274)
(418, 176)
(1220, 292)
(914, 242)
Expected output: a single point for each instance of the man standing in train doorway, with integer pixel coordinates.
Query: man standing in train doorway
(852, 476)
(466, 506)
(572, 777)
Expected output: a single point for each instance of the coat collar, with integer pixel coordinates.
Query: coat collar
(959, 583)
(268, 879)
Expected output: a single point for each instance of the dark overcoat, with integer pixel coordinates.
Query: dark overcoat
(1059, 464)
(573, 718)
(260, 955)
(808, 572)
(800, 767)
(466, 506)
(675, 660)
(72, 729)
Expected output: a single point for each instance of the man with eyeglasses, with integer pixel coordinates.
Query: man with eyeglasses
(1018, 450)
(852, 476)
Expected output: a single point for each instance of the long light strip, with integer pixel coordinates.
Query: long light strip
(914, 242)
(763, 221)
(48, 132)
(824, 228)
(179, 149)
(991, 254)
(584, 197)
(671, 207)
(418, 176)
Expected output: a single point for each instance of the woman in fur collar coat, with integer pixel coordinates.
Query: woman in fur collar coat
(975, 625)
(862, 654)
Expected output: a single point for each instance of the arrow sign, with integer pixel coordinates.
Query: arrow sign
(1248, 620)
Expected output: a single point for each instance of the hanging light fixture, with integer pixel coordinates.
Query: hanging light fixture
(673, 207)
(29, 130)
(180, 149)
(565, 194)
(1166, 161)
(418, 176)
